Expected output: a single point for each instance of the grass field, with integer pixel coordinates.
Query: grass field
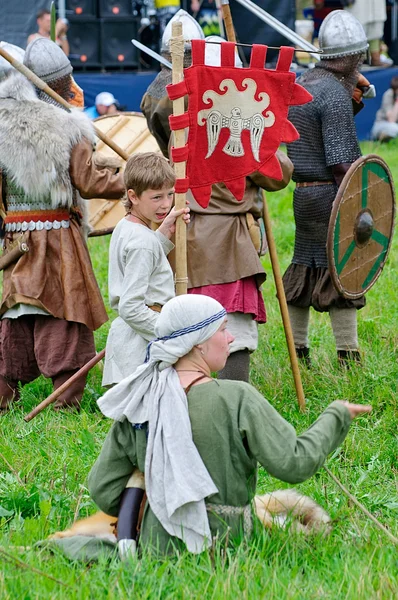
(44, 464)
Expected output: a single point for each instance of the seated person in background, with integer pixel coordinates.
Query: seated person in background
(385, 126)
(105, 104)
(44, 23)
(199, 440)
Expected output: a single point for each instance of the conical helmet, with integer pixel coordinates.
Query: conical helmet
(341, 34)
(213, 52)
(191, 30)
(47, 60)
(15, 51)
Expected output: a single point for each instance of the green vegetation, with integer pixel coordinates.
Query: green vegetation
(44, 464)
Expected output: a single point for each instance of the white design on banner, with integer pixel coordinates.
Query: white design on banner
(237, 111)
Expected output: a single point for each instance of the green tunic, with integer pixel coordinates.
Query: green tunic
(234, 429)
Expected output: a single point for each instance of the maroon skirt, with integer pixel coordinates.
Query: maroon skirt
(312, 286)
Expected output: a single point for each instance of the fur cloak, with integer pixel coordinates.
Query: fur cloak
(36, 140)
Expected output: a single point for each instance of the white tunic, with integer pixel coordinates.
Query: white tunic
(139, 276)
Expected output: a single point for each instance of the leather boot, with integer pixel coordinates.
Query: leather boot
(8, 393)
(347, 358)
(303, 354)
(70, 399)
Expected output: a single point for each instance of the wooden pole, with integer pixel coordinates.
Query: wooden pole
(62, 388)
(177, 56)
(53, 34)
(45, 88)
(229, 26)
(283, 306)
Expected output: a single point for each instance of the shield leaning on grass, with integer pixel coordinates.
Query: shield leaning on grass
(361, 226)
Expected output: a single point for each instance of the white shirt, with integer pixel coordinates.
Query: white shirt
(139, 276)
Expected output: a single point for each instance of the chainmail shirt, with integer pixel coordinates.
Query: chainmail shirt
(327, 137)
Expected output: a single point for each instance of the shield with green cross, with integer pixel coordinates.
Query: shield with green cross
(361, 226)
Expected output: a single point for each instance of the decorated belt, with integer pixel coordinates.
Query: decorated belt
(304, 184)
(36, 220)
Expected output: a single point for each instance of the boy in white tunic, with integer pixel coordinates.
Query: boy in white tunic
(140, 278)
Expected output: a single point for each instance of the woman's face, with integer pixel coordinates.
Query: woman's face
(216, 349)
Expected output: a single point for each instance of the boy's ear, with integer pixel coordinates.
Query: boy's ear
(132, 196)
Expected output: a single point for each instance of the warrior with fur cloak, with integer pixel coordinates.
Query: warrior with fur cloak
(227, 229)
(51, 302)
(327, 147)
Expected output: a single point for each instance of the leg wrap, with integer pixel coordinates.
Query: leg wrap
(237, 366)
(299, 319)
(344, 325)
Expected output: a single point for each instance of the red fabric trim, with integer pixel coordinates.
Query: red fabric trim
(258, 56)
(198, 52)
(179, 122)
(238, 296)
(177, 90)
(179, 154)
(285, 58)
(228, 54)
(181, 186)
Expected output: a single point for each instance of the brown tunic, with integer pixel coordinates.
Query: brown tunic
(220, 249)
(56, 274)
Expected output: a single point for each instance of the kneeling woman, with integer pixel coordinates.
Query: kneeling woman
(199, 440)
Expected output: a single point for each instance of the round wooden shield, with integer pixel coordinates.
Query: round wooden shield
(361, 226)
(129, 131)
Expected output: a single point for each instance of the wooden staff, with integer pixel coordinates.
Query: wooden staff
(177, 57)
(283, 306)
(46, 88)
(62, 388)
(229, 26)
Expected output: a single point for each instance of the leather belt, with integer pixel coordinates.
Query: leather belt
(155, 307)
(304, 184)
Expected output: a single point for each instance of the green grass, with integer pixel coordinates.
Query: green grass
(44, 464)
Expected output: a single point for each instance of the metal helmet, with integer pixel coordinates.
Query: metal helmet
(213, 52)
(47, 60)
(191, 30)
(341, 34)
(15, 51)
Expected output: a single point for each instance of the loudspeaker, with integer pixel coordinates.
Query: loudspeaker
(84, 37)
(117, 49)
(116, 8)
(81, 8)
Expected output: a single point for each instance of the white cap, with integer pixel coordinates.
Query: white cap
(213, 52)
(106, 99)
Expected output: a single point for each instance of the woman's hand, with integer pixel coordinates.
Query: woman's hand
(168, 226)
(356, 409)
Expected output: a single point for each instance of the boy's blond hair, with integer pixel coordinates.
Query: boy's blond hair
(147, 171)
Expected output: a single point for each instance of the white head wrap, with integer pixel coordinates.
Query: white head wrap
(177, 481)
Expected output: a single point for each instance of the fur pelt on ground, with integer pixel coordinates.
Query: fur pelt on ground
(284, 507)
(278, 509)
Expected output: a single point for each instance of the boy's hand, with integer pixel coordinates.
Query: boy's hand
(168, 226)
